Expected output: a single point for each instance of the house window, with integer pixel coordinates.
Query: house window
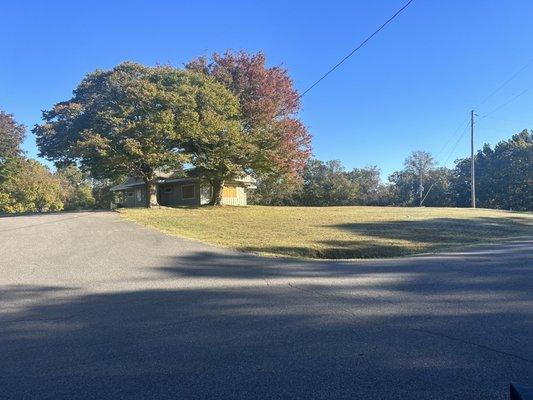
(229, 192)
(187, 192)
(167, 189)
(129, 194)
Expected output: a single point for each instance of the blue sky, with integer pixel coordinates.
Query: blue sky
(410, 88)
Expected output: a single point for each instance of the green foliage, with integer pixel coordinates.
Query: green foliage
(77, 191)
(504, 175)
(276, 190)
(129, 120)
(11, 136)
(326, 183)
(370, 190)
(273, 142)
(139, 120)
(104, 198)
(28, 186)
(323, 184)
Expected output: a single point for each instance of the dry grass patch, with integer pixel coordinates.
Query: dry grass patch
(337, 232)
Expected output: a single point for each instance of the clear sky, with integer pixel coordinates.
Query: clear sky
(410, 88)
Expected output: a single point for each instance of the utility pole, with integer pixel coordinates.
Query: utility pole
(472, 168)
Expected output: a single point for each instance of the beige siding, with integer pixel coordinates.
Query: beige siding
(239, 198)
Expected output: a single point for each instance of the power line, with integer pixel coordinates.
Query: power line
(506, 103)
(506, 82)
(456, 143)
(357, 48)
(465, 121)
(465, 129)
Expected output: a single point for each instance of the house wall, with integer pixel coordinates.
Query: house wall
(239, 199)
(171, 194)
(134, 197)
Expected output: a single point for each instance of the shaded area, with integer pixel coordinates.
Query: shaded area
(431, 328)
(400, 238)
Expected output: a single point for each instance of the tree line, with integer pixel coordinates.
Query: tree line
(504, 179)
(226, 116)
(26, 185)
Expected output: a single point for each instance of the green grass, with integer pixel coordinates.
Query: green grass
(337, 232)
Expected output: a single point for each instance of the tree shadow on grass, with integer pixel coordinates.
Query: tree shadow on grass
(400, 238)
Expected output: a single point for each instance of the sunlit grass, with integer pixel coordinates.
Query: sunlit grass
(337, 232)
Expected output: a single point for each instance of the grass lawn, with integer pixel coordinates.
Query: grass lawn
(337, 232)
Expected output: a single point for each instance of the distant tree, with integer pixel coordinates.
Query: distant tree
(504, 175)
(137, 120)
(76, 188)
(419, 163)
(104, 198)
(371, 190)
(404, 188)
(278, 143)
(28, 186)
(277, 190)
(11, 136)
(326, 184)
(439, 188)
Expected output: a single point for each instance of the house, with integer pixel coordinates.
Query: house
(182, 190)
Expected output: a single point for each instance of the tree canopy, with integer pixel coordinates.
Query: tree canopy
(504, 175)
(279, 142)
(227, 117)
(136, 120)
(28, 186)
(11, 136)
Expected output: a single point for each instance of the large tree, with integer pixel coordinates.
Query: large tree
(136, 120)
(277, 143)
(11, 136)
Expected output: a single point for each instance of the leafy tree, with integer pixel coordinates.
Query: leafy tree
(504, 175)
(368, 181)
(439, 191)
(277, 190)
(277, 142)
(404, 187)
(28, 186)
(419, 163)
(327, 184)
(132, 120)
(11, 136)
(104, 198)
(76, 188)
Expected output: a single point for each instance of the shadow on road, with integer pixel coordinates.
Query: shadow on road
(241, 327)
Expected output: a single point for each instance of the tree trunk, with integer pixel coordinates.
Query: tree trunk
(216, 196)
(151, 194)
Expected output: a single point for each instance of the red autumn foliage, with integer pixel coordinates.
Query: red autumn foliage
(269, 103)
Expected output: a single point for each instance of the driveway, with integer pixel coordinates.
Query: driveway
(96, 307)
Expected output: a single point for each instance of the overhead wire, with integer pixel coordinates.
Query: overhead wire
(365, 41)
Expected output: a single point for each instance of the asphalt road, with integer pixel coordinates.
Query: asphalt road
(96, 307)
